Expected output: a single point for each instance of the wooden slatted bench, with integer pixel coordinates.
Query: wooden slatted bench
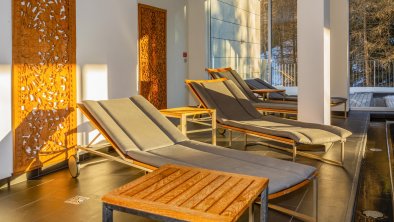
(180, 193)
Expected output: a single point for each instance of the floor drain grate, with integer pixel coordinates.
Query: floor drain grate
(375, 150)
(77, 200)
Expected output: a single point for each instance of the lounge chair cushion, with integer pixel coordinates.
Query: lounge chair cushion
(129, 121)
(261, 84)
(300, 132)
(273, 105)
(238, 81)
(227, 99)
(235, 110)
(282, 174)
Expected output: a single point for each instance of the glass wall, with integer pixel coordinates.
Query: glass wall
(371, 43)
(284, 42)
(247, 34)
(235, 36)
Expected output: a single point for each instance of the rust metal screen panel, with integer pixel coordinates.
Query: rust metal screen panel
(44, 104)
(152, 54)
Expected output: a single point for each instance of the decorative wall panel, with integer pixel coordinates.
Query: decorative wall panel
(44, 118)
(152, 54)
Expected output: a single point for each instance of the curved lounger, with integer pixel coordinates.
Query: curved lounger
(256, 84)
(261, 105)
(144, 138)
(281, 102)
(235, 112)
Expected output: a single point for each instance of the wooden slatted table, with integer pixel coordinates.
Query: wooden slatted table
(180, 193)
(265, 93)
(183, 113)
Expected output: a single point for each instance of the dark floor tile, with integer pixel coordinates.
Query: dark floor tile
(43, 199)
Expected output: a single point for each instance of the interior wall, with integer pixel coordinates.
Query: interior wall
(176, 45)
(6, 147)
(197, 30)
(107, 35)
(107, 51)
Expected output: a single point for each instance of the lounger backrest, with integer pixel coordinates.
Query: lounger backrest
(134, 124)
(228, 100)
(238, 81)
(261, 84)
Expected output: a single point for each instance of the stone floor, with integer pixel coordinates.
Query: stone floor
(43, 199)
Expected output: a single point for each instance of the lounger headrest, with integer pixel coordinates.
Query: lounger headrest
(133, 123)
(238, 81)
(227, 99)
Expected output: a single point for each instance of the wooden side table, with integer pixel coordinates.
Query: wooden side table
(265, 93)
(180, 193)
(183, 113)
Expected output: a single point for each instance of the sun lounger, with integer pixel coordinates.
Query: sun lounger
(145, 139)
(235, 112)
(256, 84)
(260, 104)
(279, 102)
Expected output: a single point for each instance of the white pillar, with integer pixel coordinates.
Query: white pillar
(340, 50)
(6, 146)
(313, 22)
(197, 40)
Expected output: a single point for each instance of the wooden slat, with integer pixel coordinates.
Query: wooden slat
(159, 184)
(168, 210)
(227, 199)
(134, 190)
(206, 191)
(182, 188)
(243, 201)
(170, 186)
(193, 190)
(214, 197)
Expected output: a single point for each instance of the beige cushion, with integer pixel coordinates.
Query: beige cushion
(134, 123)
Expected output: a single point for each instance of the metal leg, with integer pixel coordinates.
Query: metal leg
(184, 124)
(93, 140)
(264, 206)
(246, 141)
(251, 213)
(315, 199)
(294, 152)
(107, 213)
(230, 138)
(9, 183)
(345, 114)
(342, 152)
(213, 117)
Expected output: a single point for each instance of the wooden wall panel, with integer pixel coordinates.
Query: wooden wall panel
(152, 24)
(44, 58)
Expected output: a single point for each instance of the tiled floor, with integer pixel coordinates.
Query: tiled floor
(43, 199)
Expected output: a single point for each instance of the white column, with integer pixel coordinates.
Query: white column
(313, 21)
(6, 146)
(340, 49)
(197, 40)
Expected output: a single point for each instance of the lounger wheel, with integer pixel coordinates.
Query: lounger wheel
(221, 131)
(73, 166)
